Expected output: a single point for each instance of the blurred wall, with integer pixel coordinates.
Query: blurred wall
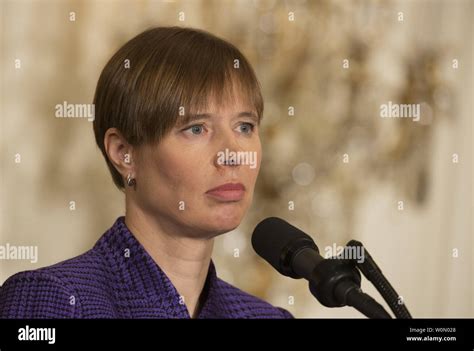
(331, 164)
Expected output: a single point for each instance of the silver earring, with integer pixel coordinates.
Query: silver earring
(131, 181)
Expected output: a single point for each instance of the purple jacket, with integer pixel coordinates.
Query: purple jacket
(118, 279)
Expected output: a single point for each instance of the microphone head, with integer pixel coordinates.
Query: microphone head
(277, 241)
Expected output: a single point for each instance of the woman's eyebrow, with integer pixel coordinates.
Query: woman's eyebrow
(248, 114)
(197, 116)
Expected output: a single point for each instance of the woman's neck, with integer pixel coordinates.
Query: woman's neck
(184, 260)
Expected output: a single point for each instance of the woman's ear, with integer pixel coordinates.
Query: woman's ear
(119, 152)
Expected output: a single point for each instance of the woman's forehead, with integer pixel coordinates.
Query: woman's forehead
(226, 106)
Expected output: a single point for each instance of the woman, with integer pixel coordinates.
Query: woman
(174, 106)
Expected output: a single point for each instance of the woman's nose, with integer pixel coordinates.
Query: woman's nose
(228, 158)
(228, 151)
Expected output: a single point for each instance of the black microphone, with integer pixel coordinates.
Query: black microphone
(334, 282)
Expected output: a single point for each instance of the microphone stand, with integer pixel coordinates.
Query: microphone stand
(374, 274)
(335, 282)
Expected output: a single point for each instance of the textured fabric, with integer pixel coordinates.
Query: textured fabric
(118, 279)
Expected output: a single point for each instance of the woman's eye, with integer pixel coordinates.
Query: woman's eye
(246, 128)
(196, 129)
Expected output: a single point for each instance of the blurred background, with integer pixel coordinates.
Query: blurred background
(331, 166)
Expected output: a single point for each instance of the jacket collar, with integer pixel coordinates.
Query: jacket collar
(140, 286)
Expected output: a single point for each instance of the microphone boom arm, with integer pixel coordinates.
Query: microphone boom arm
(374, 274)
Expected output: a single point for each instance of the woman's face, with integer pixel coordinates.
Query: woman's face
(176, 177)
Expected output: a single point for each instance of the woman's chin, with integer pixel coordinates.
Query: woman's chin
(225, 222)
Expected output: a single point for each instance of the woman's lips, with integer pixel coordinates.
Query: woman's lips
(228, 192)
